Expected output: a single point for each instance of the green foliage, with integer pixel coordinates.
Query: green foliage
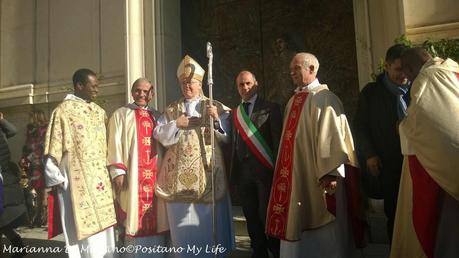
(403, 40)
(443, 48)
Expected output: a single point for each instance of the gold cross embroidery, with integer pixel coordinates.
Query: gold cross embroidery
(143, 113)
(288, 135)
(284, 172)
(148, 161)
(147, 188)
(298, 100)
(145, 207)
(281, 189)
(278, 208)
(146, 125)
(146, 141)
(147, 174)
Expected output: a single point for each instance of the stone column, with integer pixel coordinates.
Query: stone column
(134, 38)
(377, 25)
(362, 41)
(162, 49)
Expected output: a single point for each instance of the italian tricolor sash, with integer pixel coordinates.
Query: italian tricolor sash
(252, 137)
(279, 202)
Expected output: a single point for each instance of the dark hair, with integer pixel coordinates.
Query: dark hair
(416, 53)
(395, 52)
(81, 76)
(415, 57)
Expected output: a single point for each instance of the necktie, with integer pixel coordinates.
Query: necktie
(241, 146)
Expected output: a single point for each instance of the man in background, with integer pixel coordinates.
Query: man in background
(382, 105)
(13, 204)
(316, 143)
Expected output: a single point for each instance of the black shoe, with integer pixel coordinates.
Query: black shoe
(260, 254)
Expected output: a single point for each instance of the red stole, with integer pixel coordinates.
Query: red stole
(426, 205)
(147, 159)
(279, 202)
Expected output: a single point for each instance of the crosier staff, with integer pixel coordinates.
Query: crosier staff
(210, 83)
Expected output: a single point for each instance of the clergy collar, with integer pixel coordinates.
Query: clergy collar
(72, 96)
(314, 84)
(133, 105)
(251, 100)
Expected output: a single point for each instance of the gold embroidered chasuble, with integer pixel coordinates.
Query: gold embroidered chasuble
(322, 142)
(77, 129)
(185, 173)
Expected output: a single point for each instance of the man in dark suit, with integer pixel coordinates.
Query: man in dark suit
(382, 105)
(257, 130)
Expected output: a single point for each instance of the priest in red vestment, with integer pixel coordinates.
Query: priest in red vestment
(132, 159)
(316, 143)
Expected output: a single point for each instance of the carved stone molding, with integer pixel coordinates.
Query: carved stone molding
(433, 32)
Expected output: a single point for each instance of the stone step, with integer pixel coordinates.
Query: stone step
(375, 216)
(377, 221)
(240, 225)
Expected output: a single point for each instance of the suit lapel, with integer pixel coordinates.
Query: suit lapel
(256, 108)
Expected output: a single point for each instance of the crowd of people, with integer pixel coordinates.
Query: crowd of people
(161, 182)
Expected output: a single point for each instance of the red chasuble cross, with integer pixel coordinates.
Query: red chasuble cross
(146, 173)
(282, 182)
